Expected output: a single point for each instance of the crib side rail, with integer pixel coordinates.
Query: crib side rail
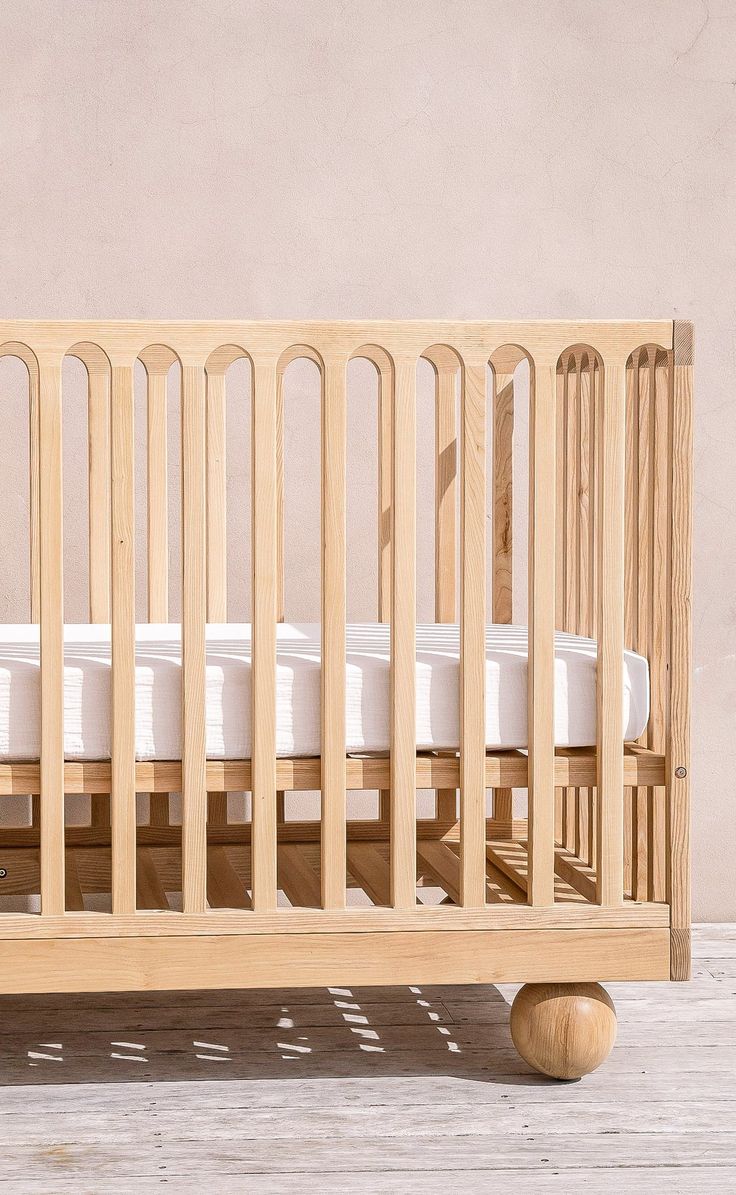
(461, 355)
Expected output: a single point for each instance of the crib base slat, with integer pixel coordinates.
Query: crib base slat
(327, 960)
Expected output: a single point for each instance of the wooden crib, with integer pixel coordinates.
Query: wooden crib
(587, 882)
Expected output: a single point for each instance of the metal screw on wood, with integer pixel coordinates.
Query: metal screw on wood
(681, 773)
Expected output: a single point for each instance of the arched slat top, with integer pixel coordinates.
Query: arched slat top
(195, 342)
(299, 352)
(506, 357)
(220, 359)
(94, 359)
(25, 354)
(158, 359)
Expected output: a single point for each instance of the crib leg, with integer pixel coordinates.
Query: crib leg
(565, 1030)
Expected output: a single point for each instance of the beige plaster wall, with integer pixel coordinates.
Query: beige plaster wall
(454, 158)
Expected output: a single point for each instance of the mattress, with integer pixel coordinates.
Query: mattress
(228, 702)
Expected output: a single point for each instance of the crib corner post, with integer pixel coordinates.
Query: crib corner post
(678, 738)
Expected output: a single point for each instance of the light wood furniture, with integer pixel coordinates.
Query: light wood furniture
(565, 1030)
(591, 884)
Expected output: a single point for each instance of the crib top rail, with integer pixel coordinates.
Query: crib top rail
(124, 340)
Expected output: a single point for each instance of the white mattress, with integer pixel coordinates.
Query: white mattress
(158, 690)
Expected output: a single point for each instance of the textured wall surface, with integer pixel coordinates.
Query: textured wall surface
(547, 158)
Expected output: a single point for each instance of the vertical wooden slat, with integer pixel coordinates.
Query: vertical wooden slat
(385, 419)
(403, 639)
(596, 389)
(678, 745)
(51, 613)
(385, 515)
(194, 617)
(445, 502)
(216, 497)
(34, 493)
(611, 509)
(280, 540)
(280, 496)
(542, 449)
(34, 562)
(631, 501)
(157, 360)
(264, 597)
(445, 490)
(98, 434)
(333, 600)
(216, 524)
(572, 484)
(643, 367)
(473, 637)
(572, 550)
(561, 402)
(502, 530)
(585, 614)
(98, 438)
(631, 573)
(122, 798)
(661, 583)
(561, 492)
(157, 479)
(585, 579)
(503, 465)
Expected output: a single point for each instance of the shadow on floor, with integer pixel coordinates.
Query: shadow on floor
(339, 1033)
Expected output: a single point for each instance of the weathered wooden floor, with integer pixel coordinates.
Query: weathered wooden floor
(371, 1090)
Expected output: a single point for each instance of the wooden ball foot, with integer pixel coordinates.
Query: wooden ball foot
(565, 1030)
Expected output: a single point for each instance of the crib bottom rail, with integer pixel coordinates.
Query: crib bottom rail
(369, 958)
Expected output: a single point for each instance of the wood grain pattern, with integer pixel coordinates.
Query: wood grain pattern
(122, 782)
(194, 610)
(157, 361)
(264, 558)
(502, 528)
(97, 367)
(51, 612)
(327, 960)
(541, 633)
(610, 852)
(447, 370)
(385, 370)
(403, 638)
(473, 635)
(678, 747)
(333, 599)
(216, 496)
(563, 1030)
(503, 769)
(661, 649)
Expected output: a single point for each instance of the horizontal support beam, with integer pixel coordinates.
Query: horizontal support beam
(103, 964)
(239, 833)
(504, 769)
